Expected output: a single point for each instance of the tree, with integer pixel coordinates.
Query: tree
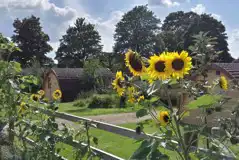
(30, 38)
(80, 42)
(137, 30)
(185, 25)
(109, 60)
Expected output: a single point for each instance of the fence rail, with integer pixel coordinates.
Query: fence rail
(110, 128)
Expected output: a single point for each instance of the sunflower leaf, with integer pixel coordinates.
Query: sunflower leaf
(206, 100)
(141, 113)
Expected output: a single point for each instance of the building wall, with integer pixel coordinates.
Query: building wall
(194, 117)
(50, 85)
(212, 75)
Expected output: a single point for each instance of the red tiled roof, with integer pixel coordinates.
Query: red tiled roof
(231, 69)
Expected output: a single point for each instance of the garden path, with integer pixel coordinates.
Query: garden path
(116, 119)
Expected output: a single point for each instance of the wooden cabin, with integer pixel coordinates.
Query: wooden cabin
(72, 81)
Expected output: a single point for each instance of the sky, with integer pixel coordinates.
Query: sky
(57, 15)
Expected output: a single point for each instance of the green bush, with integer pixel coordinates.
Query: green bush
(104, 101)
(85, 95)
(79, 103)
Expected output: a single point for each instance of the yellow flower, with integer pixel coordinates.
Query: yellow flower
(41, 92)
(131, 94)
(57, 94)
(157, 67)
(117, 83)
(22, 107)
(223, 83)
(35, 97)
(164, 118)
(179, 64)
(140, 98)
(134, 63)
(131, 100)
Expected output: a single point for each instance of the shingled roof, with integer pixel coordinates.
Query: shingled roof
(230, 69)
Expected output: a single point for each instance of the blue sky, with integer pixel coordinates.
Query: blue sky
(57, 15)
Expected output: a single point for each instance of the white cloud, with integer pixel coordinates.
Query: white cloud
(167, 3)
(233, 42)
(200, 9)
(53, 18)
(216, 16)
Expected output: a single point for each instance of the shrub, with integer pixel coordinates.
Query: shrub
(84, 95)
(79, 103)
(104, 101)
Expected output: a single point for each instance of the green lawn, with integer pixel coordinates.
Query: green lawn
(116, 144)
(84, 111)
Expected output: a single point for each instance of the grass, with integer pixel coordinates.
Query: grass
(118, 145)
(122, 146)
(84, 111)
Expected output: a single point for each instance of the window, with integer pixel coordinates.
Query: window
(217, 72)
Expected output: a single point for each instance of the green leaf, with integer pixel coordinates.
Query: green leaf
(143, 150)
(169, 133)
(184, 114)
(204, 101)
(95, 140)
(141, 113)
(144, 77)
(154, 99)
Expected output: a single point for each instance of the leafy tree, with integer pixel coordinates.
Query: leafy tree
(137, 30)
(185, 25)
(80, 42)
(109, 60)
(31, 40)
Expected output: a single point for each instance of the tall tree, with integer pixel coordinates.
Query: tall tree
(30, 38)
(185, 25)
(137, 30)
(80, 42)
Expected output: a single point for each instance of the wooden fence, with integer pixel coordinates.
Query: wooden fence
(106, 127)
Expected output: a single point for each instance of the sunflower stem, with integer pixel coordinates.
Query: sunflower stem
(181, 140)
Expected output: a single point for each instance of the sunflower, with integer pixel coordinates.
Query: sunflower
(22, 107)
(134, 63)
(140, 98)
(57, 94)
(117, 83)
(164, 118)
(41, 92)
(35, 97)
(223, 83)
(157, 67)
(131, 94)
(179, 64)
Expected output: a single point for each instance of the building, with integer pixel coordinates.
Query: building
(231, 72)
(72, 81)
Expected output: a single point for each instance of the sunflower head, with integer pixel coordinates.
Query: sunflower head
(158, 68)
(131, 94)
(41, 92)
(134, 63)
(223, 83)
(23, 107)
(118, 83)
(140, 98)
(164, 118)
(35, 97)
(179, 64)
(57, 94)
